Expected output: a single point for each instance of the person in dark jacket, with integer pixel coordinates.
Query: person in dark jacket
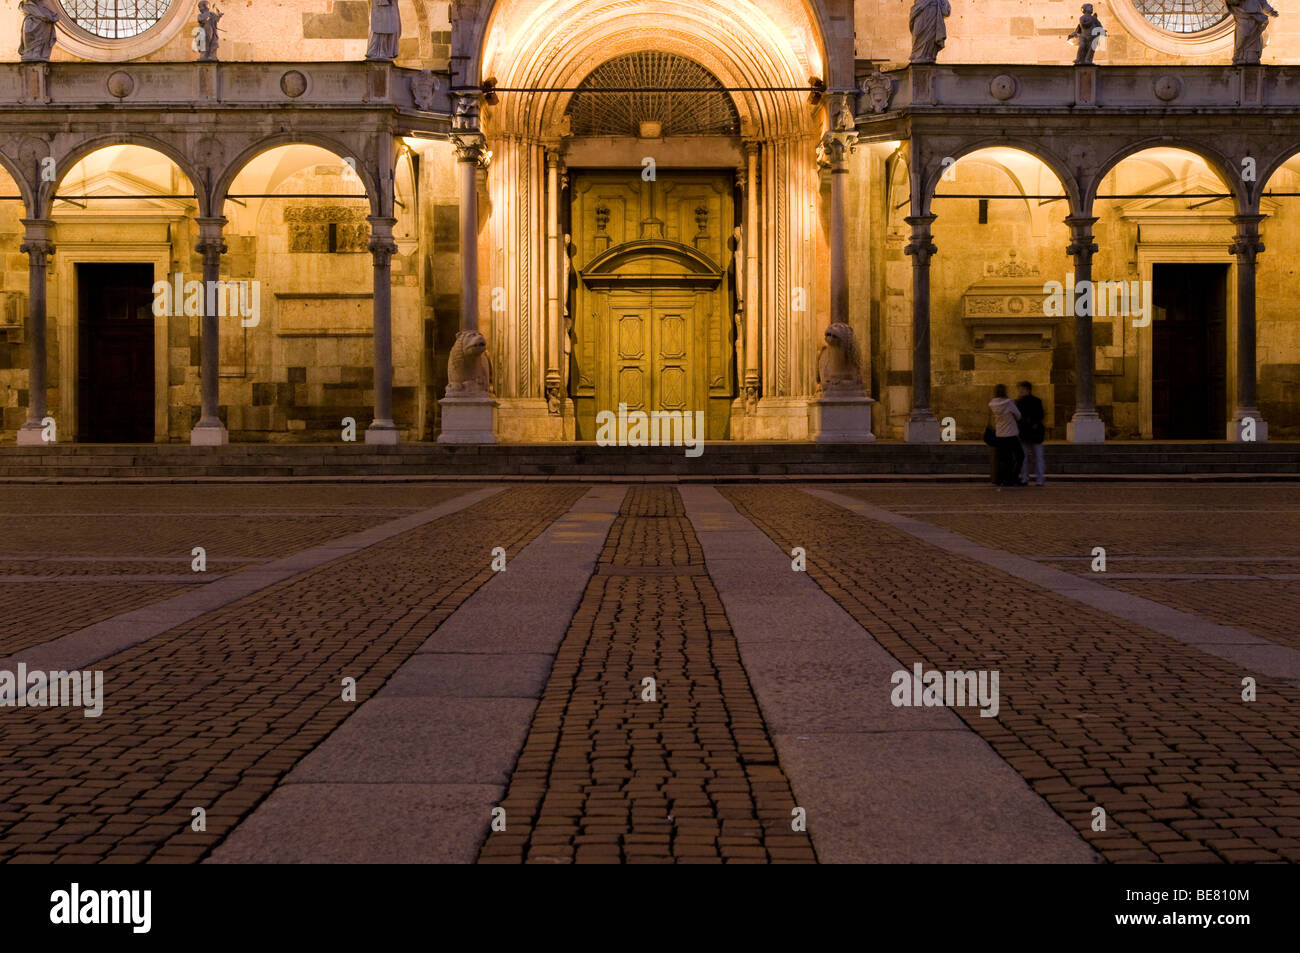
(1032, 432)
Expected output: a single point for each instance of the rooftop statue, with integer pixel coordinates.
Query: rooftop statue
(207, 37)
(1088, 34)
(928, 30)
(385, 30)
(1250, 18)
(38, 31)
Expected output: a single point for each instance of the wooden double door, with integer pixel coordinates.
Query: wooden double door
(655, 352)
(652, 302)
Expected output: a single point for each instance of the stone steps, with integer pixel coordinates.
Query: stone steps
(588, 461)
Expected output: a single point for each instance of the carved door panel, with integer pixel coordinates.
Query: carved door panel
(630, 382)
(655, 345)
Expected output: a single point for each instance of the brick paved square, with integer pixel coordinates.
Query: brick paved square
(670, 691)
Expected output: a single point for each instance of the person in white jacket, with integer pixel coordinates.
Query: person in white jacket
(1006, 428)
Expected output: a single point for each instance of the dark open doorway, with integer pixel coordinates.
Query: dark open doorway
(1189, 352)
(115, 353)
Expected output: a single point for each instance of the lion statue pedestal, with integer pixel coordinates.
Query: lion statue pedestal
(469, 411)
(841, 411)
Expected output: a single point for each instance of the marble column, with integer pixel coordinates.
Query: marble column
(1245, 415)
(752, 376)
(209, 431)
(469, 155)
(382, 429)
(921, 426)
(554, 332)
(838, 146)
(1086, 426)
(39, 249)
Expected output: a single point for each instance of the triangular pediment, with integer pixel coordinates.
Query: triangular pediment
(144, 196)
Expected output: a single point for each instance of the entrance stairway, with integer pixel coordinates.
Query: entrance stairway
(720, 461)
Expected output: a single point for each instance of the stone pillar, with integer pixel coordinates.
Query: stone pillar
(1085, 426)
(469, 155)
(382, 429)
(752, 376)
(209, 431)
(838, 147)
(922, 426)
(1245, 415)
(39, 248)
(554, 332)
(469, 409)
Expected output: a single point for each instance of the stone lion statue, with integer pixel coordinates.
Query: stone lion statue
(839, 367)
(469, 369)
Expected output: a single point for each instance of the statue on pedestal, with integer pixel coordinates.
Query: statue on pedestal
(1250, 18)
(385, 30)
(1088, 34)
(839, 366)
(928, 30)
(469, 368)
(208, 36)
(38, 31)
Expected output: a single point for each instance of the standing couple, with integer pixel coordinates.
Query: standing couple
(1016, 432)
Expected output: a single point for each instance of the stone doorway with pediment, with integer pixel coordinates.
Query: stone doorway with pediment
(652, 324)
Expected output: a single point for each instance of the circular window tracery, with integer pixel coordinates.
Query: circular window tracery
(116, 19)
(1183, 17)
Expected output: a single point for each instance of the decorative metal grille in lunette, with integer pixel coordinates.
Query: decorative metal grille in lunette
(659, 79)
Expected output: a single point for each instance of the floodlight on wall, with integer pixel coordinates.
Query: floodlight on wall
(416, 143)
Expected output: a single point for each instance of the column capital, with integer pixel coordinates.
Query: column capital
(381, 244)
(1246, 243)
(751, 146)
(921, 246)
(37, 238)
(834, 150)
(38, 248)
(1081, 246)
(472, 149)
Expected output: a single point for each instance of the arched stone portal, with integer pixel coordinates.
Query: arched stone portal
(749, 150)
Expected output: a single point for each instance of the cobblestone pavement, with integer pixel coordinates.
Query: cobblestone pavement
(72, 557)
(1094, 711)
(1229, 552)
(212, 714)
(605, 774)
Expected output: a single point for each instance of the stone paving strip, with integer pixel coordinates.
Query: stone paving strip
(1255, 653)
(609, 773)
(34, 613)
(1267, 608)
(80, 649)
(215, 712)
(413, 775)
(1094, 710)
(880, 784)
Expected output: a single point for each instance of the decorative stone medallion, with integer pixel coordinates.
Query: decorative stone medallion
(120, 84)
(293, 84)
(1003, 87)
(1167, 88)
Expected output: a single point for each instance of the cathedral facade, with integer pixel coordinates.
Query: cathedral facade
(493, 220)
